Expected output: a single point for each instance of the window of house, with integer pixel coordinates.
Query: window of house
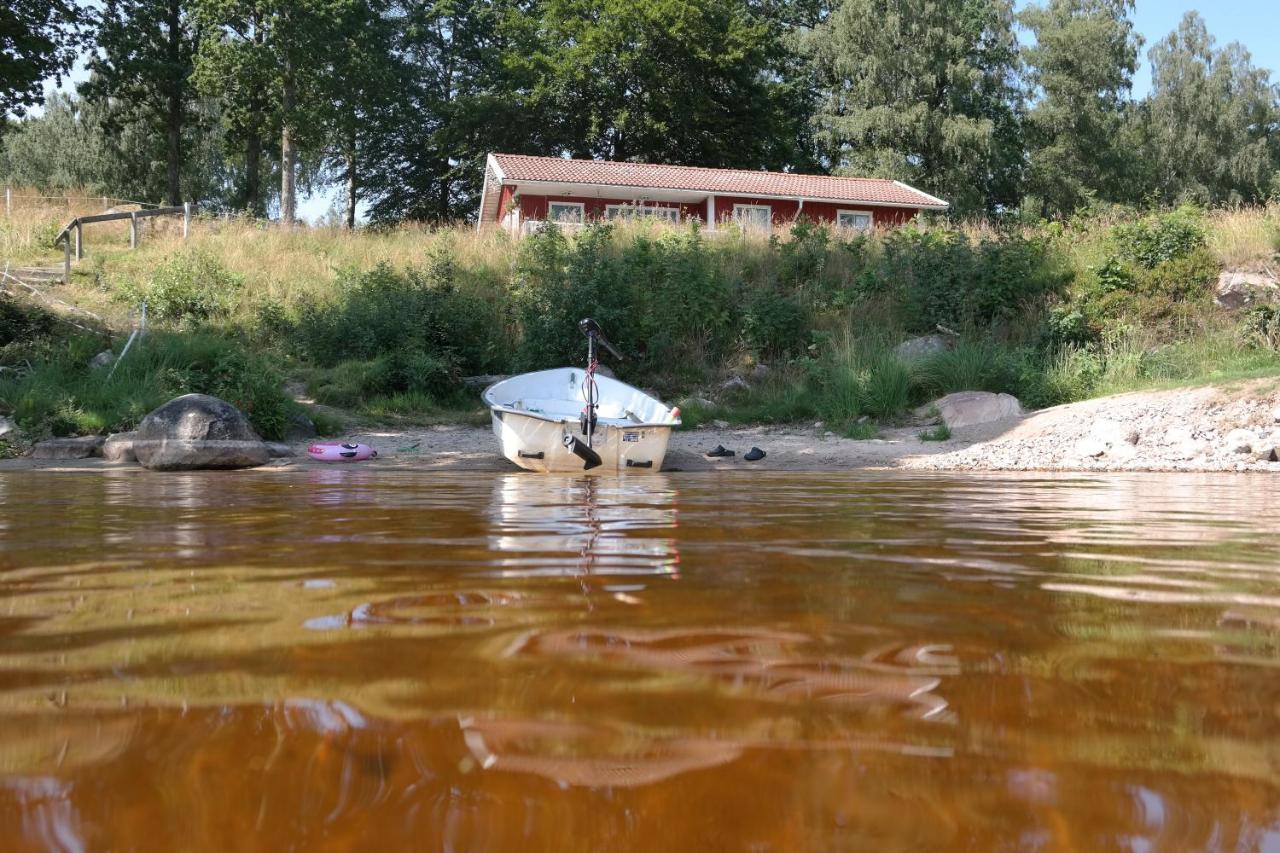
(753, 215)
(566, 212)
(855, 220)
(631, 211)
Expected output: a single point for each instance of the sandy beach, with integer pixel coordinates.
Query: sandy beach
(1230, 428)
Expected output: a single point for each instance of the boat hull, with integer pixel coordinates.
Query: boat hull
(537, 444)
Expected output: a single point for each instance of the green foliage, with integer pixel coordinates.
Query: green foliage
(1157, 239)
(774, 325)
(938, 276)
(922, 91)
(191, 289)
(941, 432)
(62, 395)
(42, 39)
(420, 312)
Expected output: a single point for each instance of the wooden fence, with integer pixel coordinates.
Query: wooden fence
(75, 229)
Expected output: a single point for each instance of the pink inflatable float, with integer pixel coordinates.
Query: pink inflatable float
(336, 451)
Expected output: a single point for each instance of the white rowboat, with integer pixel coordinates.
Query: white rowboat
(537, 418)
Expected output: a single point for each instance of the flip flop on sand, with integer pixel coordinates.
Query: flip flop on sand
(755, 454)
(718, 452)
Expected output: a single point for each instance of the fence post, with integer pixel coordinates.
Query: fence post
(79, 241)
(66, 259)
(133, 230)
(186, 219)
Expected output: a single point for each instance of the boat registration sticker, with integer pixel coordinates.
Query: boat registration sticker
(631, 436)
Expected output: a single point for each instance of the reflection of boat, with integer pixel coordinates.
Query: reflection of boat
(568, 419)
(575, 526)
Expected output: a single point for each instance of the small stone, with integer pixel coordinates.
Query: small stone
(1240, 441)
(818, 424)
(279, 450)
(736, 383)
(1275, 415)
(1090, 448)
(106, 358)
(300, 426)
(720, 424)
(68, 448)
(760, 371)
(118, 447)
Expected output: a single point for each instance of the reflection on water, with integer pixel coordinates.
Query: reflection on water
(352, 658)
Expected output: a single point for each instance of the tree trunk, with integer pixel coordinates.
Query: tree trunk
(253, 174)
(288, 153)
(351, 182)
(173, 115)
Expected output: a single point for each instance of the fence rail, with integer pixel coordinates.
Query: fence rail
(75, 228)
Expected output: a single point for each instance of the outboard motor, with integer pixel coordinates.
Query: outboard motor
(595, 335)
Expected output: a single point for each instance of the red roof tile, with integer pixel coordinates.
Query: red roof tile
(742, 182)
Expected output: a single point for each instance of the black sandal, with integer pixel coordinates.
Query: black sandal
(755, 454)
(719, 452)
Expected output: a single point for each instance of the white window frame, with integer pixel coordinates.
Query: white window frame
(871, 220)
(622, 211)
(740, 209)
(582, 212)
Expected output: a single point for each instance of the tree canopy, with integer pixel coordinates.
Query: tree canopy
(395, 103)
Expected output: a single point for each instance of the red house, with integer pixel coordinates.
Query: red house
(522, 192)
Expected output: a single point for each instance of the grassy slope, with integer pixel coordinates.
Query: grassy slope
(290, 270)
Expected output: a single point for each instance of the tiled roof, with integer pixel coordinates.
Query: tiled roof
(742, 182)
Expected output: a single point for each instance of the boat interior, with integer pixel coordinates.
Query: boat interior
(558, 394)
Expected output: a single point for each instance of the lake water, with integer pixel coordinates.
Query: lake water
(349, 657)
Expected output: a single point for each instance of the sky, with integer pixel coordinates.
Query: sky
(1253, 23)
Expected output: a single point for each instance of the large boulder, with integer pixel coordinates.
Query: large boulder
(968, 408)
(7, 426)
(196, 431)
(68, 448)
(1235, 288)
(919, 349)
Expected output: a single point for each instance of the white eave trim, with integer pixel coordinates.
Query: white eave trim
(933, 203)
(492, 162)
(937, 201)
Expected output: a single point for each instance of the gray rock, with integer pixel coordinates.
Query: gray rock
(300, 426)
(1090, 448)
(197, 431)
(1240, 441)
(1236, 289)
(7, 426)
(106, 358)
(760, 371)
(68, 448)
(718, 424)
(737, 383)
(918, 349)
(1113, 433)
(279, 450)
(118, 447)
(967, 408)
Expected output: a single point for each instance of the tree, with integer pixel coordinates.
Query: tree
(1211, 121)
(671, 81)
(1080, 70)
(39, 40)
(923, 91)
(464, 92)
(144, 63)
(280, 54)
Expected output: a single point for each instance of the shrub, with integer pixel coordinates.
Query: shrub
(190, 289)
(774, 325)
(1158, 239)
(62, 395)
(886, 387)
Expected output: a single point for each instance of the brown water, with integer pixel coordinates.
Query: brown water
(346, 658)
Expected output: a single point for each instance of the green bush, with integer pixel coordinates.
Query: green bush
(1164, 237)
(62, 395)
(191, 289)
(774, 325)
(384, 312)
